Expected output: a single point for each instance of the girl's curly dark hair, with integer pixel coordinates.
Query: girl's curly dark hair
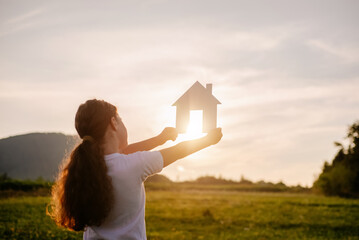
(83, 194)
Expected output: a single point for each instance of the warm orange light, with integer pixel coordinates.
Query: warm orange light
(194, 129)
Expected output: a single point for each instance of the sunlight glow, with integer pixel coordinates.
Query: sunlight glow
(180, 168)
(194, 129)
(195, 122)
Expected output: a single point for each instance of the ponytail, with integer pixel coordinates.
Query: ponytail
(83, 194)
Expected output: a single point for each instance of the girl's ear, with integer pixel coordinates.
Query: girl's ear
(114, 123)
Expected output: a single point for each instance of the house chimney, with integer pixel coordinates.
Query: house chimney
(209, 87)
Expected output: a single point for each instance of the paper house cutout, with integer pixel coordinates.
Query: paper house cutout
(197, 97)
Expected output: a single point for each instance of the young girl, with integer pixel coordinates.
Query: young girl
(100, 189)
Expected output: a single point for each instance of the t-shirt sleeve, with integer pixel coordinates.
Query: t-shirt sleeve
(149, 163)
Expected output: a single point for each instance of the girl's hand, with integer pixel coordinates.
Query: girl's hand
(169, 133)
(214, 136)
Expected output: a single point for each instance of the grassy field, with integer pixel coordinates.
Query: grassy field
(206, 214)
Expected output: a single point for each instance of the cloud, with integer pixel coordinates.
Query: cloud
(21, 22)
(349, 54)
(24, 17)
(286, 75)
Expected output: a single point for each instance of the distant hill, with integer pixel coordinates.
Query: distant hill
(34, 155)
(158, 178)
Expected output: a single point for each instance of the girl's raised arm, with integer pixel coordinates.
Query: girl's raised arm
(168, 133)
(186, 148)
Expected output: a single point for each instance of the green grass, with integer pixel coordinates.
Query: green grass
(206, 214)
(233, 215)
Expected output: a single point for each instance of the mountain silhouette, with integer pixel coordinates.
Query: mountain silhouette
(34, 155)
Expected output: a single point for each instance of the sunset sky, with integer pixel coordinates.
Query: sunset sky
(286, 73)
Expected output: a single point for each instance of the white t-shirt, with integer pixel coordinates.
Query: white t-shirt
(127, 218)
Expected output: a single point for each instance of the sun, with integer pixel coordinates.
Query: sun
(195, 122)
(194, 129)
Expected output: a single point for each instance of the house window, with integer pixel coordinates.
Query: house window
(195, 122)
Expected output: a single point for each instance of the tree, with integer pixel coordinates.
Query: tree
(341, 177)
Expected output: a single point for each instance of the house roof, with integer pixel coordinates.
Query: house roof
(197, 94)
